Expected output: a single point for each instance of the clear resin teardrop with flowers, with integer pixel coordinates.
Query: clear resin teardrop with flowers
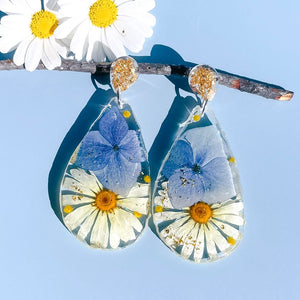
(104, 196)
(197, 203)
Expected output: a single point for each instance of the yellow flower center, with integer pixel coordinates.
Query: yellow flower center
(159, 209)
(147, 178)
(106, 200)
(126, 114)
(43, 23)
(231, 240)
(201, 212)
(103, 13)
(68, 209)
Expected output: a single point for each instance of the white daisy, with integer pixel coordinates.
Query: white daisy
(202, 232)
(102, 28)
(31, 31)
(98, 216)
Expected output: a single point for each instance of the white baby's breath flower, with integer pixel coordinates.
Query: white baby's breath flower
(31, 32)
(103, 28)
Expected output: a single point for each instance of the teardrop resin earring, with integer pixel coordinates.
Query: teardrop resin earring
(104, 196)
(197, 203)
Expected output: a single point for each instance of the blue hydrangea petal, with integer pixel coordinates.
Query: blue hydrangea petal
(113, 127)
(185, 188)
(94, 153)
(120, 175)
(206, 143)
(218, 181)
(181, 156)
(130, 148)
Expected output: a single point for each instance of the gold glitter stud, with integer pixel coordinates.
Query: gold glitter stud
(123, 73)
(203, 80)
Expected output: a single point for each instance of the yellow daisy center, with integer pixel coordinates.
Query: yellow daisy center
(106, 200)
(43, 23)
(201, 212)
(103, 13)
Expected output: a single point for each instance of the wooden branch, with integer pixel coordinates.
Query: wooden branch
(234, 81)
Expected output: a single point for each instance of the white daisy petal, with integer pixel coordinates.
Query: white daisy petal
(134, 222)
(77, 216)
(50, 57)
(199, 247)
(86, 179)
(135, 204)
(9, 43)
(58, 46)
(130, 28)
(114, 43)
(35, 5)
(119, 2)
(227, 229)
(114, 238)
(19, 56)
(74, 8)
(130, 14)
(7, 7)
(86, 226)
(92, 40)
(182, 232)
(210, 244)
(75, 200)
(98, 54)
(233, 208)
(149, 19)
(190, 242)
(100, 232)
(170, 229)
(147, 5)
(108, 52)
(236, 220)
(79, 41)
(139, 190)
(218, 238)
(65, 28)
(126, 230)
(72, 185)
(132, 39)
(33, 54)
(11, 21)
(168, 215)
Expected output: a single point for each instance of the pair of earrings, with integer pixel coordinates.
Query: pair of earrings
(196, 205)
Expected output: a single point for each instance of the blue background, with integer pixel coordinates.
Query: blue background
(39, 259)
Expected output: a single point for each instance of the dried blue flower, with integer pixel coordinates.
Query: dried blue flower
(198, 169)
(113, 153)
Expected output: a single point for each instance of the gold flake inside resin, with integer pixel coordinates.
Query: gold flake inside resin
(124, 72)
(203, 81)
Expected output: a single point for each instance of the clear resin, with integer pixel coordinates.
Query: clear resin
(197, 203)
(104, 196)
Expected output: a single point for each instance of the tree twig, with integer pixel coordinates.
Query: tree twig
(234, 81)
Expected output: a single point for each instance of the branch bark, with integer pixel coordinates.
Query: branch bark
(234, 81)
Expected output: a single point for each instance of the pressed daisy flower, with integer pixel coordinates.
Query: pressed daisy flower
(31, 31)
(100, 217)
(201, 232)
(100, 29)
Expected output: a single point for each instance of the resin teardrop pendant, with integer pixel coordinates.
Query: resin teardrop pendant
(104, 197)
(197, 204)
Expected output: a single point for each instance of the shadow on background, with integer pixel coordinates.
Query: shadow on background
(82, 124)
(178, 113)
